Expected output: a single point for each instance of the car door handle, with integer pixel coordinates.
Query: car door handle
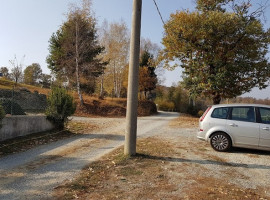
(233, 125)
(266, 128)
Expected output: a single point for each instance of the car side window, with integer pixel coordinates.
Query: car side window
(246, 114)
(265, 115)
(220, 113)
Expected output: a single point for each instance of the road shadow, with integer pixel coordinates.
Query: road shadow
(30, 154)
(204, 162)
(249, 151)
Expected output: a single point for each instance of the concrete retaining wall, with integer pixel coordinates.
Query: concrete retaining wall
(14, 126)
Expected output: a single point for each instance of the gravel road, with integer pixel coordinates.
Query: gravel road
(33, 174)
(195, 168)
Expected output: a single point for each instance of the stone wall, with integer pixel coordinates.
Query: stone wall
(15, 126)
(27, 100)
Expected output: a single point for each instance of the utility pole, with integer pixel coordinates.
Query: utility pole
(133, 76)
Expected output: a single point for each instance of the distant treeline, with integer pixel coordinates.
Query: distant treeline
(248, 100)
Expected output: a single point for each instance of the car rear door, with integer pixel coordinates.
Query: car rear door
(264, 114)
(243, 127)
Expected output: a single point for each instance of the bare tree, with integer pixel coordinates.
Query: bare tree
(16, 70)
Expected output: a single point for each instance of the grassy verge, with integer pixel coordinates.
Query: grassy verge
(159, 171)
(117, 176)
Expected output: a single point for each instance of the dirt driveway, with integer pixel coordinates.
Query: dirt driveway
(34, 174)
(171, 164)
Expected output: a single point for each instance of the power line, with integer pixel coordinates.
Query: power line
(159, 12)
(170, 32)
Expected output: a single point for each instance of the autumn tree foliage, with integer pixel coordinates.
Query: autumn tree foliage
(5, 72)
(222, 46)
(32, 74)
(115, 39)
(74, 49)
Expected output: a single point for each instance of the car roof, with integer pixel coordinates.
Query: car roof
(240, 104)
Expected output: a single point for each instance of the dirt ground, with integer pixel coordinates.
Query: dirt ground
(173, 165)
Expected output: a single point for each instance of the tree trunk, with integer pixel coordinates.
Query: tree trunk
(145, 94)
(216, 99)
(114, 81)
(101, 86)
(119, 86)
(77, 68)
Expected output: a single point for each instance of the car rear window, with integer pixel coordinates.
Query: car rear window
(220, 113)
(265, 115)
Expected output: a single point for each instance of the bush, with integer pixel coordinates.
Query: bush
(193, 110)
(146, 108)
(60, 106)
(2, 114)
(166, 106)
(200, 113)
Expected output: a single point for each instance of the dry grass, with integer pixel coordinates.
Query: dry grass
(159, 171)
(93, 106)
(6, 84)
(185, 121)
(116, 176)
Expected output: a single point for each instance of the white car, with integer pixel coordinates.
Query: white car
(236, 125)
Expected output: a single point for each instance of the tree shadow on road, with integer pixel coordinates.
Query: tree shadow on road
(204, 162)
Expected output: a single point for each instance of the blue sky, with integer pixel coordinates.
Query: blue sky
(27, 25)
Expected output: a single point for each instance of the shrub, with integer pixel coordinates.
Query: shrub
(193, 110)
(146, 108)
(200, 113)
(60, 106)
(166, 106)
(2, 115)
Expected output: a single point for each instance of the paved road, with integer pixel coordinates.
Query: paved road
(33, 174)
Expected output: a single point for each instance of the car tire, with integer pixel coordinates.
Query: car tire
(221, 142)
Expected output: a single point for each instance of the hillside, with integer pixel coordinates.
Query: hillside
(8, 85)
(108, 107)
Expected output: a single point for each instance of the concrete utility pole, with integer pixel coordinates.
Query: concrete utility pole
(133, 76)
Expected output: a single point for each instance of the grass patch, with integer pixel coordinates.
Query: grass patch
(185, 121)
(7, 84)
(109, 177)
(130, 171)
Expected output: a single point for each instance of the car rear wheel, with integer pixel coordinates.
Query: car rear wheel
(220, 142)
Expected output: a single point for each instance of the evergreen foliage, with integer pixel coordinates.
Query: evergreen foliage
(74, 49)
(147, 76)
(32, 74)
(60, 106)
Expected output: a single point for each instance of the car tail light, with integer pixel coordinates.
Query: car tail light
(204, 114)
